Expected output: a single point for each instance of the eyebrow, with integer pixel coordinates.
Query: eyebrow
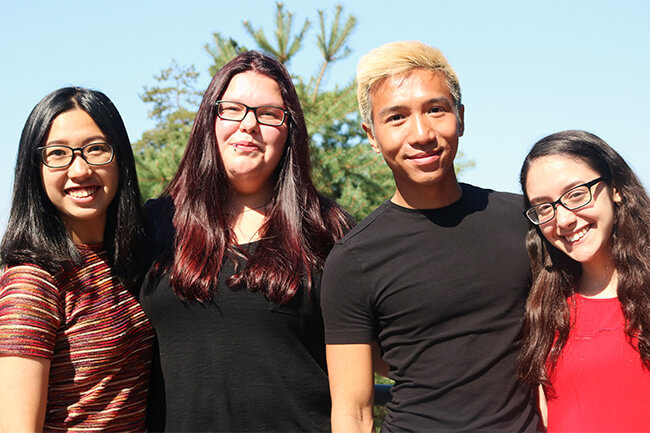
(395, 108)
(64, 142)
(546, 199)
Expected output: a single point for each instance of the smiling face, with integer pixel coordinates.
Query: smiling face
(416, 129)
(251, 151)
(583, 234)
(80, 192)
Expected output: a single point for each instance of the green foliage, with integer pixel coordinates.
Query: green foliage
(159, 150)
(287, 46)
(222, 51)
(347, 169)
(379, 412)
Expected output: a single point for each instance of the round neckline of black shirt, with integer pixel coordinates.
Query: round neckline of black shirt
(451, 207)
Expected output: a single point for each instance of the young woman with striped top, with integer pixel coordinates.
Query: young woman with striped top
(75, 347)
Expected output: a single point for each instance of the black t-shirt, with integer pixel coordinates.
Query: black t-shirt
(443, 292)
(239, 363)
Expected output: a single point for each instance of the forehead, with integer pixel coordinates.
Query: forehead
(253, 88)
(412, 86)
(550, 176)
(73, 124)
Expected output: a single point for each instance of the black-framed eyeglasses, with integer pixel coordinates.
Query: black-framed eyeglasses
(265, 114)
(60, 156)
(575, 198)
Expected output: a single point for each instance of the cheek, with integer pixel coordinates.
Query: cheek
(275, 141)
(389, 141)
(449, 128)
(49, 183)
(223, 131)
(112, 179)
(548, 231)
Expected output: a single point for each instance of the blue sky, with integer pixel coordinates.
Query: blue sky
(527, 69)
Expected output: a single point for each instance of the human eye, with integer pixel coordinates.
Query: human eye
(270, 113)
(576, 196)
(56, 152)
(395, 118)
(96, 149)
(231, 108)
(544, 210)
(437, 110)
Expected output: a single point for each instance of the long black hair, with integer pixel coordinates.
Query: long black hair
(555, 274)
(301, 226)
(36, 233)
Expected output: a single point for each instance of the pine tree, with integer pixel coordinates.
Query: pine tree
(159, 150)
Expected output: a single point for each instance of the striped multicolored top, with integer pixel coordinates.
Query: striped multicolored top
(94, 333)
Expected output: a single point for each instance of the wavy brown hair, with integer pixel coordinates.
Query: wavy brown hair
(555, 275)
(301, 225)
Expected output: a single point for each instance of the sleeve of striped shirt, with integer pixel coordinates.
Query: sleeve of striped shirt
(30, 312)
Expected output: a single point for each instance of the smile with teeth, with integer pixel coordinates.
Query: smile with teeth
(575, 237)
(82, 192)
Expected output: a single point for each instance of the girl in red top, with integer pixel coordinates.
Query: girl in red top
(75, 346)
(587, 333)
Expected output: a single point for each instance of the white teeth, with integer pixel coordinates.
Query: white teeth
(82, 193)
(578, 235)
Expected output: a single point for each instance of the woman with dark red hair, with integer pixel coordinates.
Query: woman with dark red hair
(240, 236)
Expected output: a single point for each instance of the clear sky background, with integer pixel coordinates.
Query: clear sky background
(527, 69)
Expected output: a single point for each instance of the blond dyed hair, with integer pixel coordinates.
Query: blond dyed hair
(400, 58)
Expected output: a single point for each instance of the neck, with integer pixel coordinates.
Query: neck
(86, 232)
(239, 203)
(598, 280)
(246, 214)
(427, 196)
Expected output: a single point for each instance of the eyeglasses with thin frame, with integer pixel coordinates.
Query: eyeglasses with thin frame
(265, 114)
(575, 198)
(60, 156)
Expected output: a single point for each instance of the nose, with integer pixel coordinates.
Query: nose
(79, 167)
(421, 130)
(565, 218)
(249, 122)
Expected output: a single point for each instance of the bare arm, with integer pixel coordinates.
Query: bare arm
(23, 393)
(350, 368)
(379, 365)
(543, 410)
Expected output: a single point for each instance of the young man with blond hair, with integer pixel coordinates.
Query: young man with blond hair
(430, 288)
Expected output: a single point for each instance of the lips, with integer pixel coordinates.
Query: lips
(245, 146)
(82, 192)
(576, 236)
(422, 158)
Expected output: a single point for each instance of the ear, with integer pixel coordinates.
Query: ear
(616, 196)
(371, 138)
(461, 120)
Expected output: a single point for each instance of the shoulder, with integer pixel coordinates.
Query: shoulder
(28, 285)
(159, 225)
(159, 208)
(31, 312)
(367, 227)
(498, 198)
(500, 204)
(26, 275)
(30, 289)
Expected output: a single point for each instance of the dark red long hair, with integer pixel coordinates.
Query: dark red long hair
(301, 225)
